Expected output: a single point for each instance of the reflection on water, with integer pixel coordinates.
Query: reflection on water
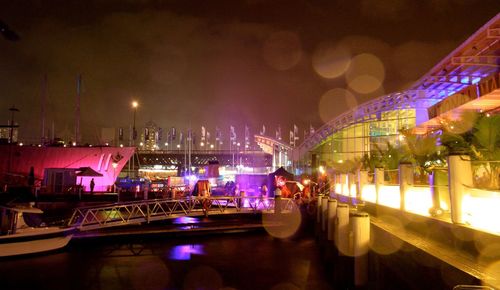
(236, 261)
(183, 252)
(185, 220)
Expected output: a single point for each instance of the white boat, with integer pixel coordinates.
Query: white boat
(19, 237)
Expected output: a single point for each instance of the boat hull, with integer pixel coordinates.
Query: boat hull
(35, 242)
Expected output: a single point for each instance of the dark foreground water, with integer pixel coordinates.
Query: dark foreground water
(230, 261)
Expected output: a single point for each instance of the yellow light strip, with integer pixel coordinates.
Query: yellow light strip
(389, 196)
(418, 200)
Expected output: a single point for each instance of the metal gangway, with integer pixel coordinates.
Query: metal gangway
(145, 211)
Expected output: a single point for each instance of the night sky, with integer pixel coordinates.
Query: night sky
(219, 63)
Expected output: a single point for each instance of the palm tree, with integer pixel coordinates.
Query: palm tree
(425, 152)
(390, 157)
(370, 160)
(482, 143)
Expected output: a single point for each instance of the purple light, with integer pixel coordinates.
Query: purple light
(184, 252)
(476, 80)
(185, 220)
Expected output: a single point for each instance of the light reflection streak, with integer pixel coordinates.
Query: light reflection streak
(184, 252)
(185, 220)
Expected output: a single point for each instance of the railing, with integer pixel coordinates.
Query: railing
(465, 193)
(324, 189)
(118, 214)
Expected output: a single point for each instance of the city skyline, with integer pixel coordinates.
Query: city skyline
(227, 62)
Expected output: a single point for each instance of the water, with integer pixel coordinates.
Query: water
(251, 260)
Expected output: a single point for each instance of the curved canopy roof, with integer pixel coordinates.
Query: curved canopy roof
(475, 59)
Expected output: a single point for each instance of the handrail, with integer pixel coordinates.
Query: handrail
(117, 214)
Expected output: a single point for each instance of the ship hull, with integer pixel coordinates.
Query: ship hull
(108, 161)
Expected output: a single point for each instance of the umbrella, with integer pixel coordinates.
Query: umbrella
(87, 171)
(279, 172)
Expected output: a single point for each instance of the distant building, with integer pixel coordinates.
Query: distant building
(5, 134)
(150, 136)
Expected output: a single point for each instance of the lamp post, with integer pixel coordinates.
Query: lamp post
(13, 109)
(135, 104)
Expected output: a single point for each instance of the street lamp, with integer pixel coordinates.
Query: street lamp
(135, 104)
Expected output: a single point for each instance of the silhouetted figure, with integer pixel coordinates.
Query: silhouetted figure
(31, 177)
(92, 184)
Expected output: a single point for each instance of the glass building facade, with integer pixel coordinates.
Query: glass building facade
(364, 136)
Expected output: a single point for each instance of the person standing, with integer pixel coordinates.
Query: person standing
(263, 191)
(92, 185)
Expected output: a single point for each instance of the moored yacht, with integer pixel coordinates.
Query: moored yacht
(22, 232)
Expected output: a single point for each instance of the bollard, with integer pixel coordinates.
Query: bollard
(332, 214)
(324, 212)
(342, 229)
(459, 176)
(318, 209)
(361, 245)
(277, 201)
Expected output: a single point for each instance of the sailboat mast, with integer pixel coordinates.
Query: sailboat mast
(77, 111)
(43, 98)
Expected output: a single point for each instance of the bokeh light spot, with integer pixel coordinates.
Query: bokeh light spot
(385, 243)
(329, 61)
(365, 84)
(492, 274)
(151, 273)
(282, 50)
(335, 102)
(203, 277)
(459, 123)
(283, 225)
(366, 73)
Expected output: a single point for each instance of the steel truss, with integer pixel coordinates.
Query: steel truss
(145, 211)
